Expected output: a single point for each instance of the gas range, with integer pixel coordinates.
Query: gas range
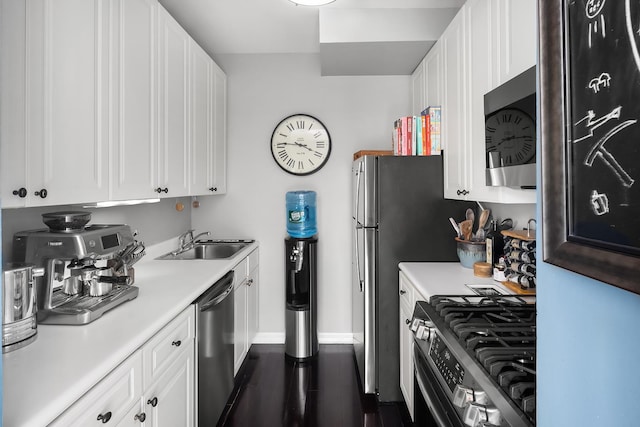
(475, 360)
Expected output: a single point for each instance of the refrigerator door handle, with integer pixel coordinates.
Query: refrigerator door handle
(357, 225)
(356, 213)
(355, 238)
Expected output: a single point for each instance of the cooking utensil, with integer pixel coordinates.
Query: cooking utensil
(67, 221)
(466, 228)
(470, 216)
(484, 216)
(455, 226)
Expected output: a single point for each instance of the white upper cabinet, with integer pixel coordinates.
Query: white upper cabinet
(514, 37)
(218, 174)
(208, 124)
(456, 165)
(97, 103)
(134, 94)
(201, 119)
(470, 59)
(433, 76)
(418, 89)
(13, 154)
(64, 133)
(173, 107)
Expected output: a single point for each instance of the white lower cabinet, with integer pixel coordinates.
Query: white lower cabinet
(245, 308)
(406, 342)
(408, 297)
(153, 387)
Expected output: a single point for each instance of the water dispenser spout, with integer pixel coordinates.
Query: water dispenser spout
(297, 255)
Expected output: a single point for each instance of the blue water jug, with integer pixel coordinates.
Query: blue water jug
(301, 214)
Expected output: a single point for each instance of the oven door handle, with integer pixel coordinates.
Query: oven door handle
(428, 399)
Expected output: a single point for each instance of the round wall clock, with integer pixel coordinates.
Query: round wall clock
(511, 132)
(300, 144)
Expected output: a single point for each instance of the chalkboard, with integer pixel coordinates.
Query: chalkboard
(603, 120)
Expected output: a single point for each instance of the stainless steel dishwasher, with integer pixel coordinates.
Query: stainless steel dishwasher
(214, 329)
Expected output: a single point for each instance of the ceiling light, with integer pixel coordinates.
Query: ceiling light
(312, 2)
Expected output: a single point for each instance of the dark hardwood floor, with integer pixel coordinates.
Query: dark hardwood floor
(272, 390)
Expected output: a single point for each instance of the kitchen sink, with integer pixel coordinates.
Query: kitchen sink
(208, 250)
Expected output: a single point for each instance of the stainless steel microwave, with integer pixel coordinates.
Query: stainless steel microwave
(510, 132)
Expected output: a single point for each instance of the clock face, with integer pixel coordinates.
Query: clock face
(512, 133)
(300, 144)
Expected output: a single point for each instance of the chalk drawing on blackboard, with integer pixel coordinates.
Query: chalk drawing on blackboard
(592, 123)
(631, 32)
(603, 80)
(598, 150)
(599, 203)
(592, 10)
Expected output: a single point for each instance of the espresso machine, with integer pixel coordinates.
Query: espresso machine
(87, 269)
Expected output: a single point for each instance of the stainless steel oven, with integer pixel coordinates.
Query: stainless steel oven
(474, 361)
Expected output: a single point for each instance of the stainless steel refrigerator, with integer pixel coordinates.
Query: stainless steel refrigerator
(399, 214)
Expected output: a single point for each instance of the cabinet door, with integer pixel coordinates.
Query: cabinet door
(479, 77)
(454, 138)
(201, 121)
(170, 402)
(407, 302)
(13, 163)
(418, 89)
(406, 357)
(134, 94)
(433, 76)
(252, 306)
(67, 101)
(219, 173)
(173, 114)
(240, 325)
(515, 24)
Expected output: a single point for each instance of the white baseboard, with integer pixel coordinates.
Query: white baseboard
(269, 338)
(323, 338)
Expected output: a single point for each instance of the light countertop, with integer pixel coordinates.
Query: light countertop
(446, 278)
(44, 378)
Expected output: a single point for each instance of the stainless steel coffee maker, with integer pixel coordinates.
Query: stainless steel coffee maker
(86, 269)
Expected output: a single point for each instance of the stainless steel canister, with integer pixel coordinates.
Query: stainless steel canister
(19, 308)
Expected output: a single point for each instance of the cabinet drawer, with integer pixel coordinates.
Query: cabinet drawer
(110, 399)
(166, 345)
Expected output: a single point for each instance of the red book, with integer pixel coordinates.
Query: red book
(426, 135)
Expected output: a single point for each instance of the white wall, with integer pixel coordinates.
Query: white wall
(154, 223)
(358, 111)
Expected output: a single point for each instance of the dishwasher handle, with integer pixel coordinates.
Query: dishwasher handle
(218, 292)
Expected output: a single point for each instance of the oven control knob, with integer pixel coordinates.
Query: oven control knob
(422, 329)
(478, 415)
(464, 395)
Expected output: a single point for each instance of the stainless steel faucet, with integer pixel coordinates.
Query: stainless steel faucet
(187, 240)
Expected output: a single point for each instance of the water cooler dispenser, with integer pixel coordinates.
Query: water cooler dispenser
(301, 338)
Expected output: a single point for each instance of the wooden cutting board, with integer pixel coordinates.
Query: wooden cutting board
(361, 153)
(518, 289)
(519, 234)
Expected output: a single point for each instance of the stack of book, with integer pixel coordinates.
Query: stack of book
(418, 135)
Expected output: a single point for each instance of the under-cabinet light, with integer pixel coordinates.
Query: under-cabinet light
(120, 203)
(312, 2)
